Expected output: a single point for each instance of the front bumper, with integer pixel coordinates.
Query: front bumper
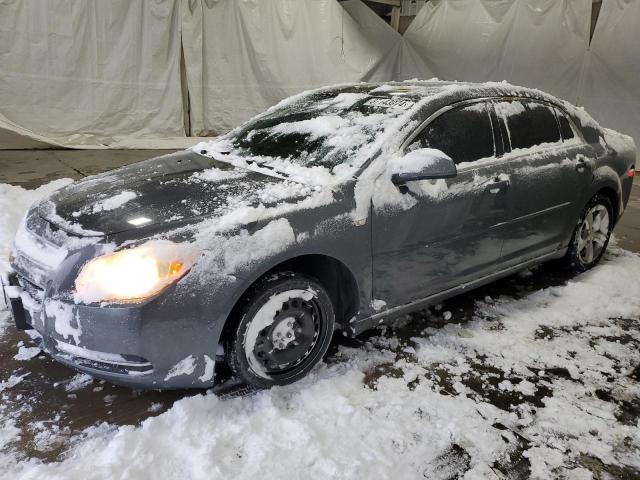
(11, 292)
(169, 342)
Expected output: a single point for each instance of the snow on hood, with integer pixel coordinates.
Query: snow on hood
(169, 192)
(14, 202)
(184, 197)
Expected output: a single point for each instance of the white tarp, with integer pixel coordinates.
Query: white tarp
(14, 136)
(107, 73)
(90, 72)
(611, 87)
(245, 55)
(535, 43)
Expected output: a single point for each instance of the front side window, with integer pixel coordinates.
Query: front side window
(464, 133)
(528, 123)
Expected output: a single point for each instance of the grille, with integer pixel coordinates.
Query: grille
(108, 362)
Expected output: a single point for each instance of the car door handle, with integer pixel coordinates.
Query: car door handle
(581, 164)
(497, 186)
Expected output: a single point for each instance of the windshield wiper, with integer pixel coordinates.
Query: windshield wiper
(219, 156)
(268, 167)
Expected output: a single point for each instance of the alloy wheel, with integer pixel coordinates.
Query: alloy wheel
(592, 234)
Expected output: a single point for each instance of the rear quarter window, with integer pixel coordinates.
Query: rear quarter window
(565, 125)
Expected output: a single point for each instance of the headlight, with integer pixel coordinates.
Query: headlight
(134, 274)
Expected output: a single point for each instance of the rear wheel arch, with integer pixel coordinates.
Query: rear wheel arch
(613, 197)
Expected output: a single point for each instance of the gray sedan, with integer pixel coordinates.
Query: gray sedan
(334, 210)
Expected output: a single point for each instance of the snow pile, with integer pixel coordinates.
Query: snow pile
(186, 366)
(227, 254)
(113, 202)
(64, 317)
(218, 175)
(417, 160)
(12, 381)
(314, 128)
(78, 382)
(26, 353)
(48, 210)
(45, 254)
(14, 202)
(508, 109)
(346, 129)
(618, 141)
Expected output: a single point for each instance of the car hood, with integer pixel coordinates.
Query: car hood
(169, 190)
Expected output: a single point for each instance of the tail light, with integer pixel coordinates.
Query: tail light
(631, 172)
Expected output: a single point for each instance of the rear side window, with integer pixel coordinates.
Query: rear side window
(528, 123)
(464, 133)
(565, 125)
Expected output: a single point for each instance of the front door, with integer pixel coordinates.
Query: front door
(454, 230)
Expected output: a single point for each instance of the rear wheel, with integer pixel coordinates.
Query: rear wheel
(284, 328)
(591, 236)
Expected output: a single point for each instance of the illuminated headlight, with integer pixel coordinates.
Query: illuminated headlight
(135, 273)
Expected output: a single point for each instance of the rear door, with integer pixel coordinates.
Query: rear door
(454, 231)
(550, 168)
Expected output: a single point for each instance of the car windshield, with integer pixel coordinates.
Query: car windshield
(328, 130)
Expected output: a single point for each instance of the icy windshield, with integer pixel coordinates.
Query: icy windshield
(328, 132)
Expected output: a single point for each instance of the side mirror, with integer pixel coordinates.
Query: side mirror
(423, 164)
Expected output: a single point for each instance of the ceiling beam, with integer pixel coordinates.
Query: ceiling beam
(393, 3)
(395, 18)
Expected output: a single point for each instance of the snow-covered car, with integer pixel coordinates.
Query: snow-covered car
(333, 210)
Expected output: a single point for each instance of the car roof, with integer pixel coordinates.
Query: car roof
(419, 90)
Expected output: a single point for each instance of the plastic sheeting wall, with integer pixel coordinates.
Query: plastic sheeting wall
(611, 86)
(535, 43)
(542, 44)
(89, 72)
(243, 56)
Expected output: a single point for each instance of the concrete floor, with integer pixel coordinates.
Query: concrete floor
(628, 230)
(31, 168)
(67, 402)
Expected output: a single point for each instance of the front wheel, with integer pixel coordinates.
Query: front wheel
(284, 327)
(591, 236)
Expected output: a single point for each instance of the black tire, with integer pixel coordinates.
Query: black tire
(282, 329)
(577, 258)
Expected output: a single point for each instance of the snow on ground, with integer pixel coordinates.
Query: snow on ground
(540, 385)
(14, 202)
